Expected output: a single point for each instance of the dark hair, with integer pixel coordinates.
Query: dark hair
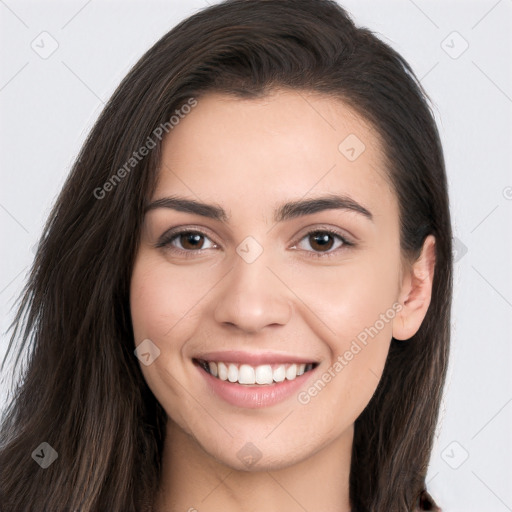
(83, 391)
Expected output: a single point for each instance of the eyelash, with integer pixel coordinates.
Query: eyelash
(166, 240)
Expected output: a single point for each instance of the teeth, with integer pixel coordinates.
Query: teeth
(279, 374)
(223, 371)
(232, 373)
(246, 374)
(263, 374)
(291, 372)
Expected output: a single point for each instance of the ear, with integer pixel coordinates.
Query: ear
(415, 292)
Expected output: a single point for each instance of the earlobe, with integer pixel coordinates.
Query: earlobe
(415, 292)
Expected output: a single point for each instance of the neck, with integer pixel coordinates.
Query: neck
(192, 480)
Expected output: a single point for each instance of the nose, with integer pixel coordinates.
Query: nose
(252, 296)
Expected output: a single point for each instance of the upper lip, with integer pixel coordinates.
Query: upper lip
(252, 359)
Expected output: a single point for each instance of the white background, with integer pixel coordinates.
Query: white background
(48, 105)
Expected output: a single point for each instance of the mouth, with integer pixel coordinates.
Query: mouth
(249, 375)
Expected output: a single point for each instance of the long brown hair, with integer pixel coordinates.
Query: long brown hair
(82, 390)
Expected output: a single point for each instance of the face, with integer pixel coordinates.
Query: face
(249, 281)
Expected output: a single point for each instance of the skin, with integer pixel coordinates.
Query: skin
(285, 146)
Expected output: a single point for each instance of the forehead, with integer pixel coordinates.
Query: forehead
(254, 150)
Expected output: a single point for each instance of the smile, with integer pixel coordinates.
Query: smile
(265, 374)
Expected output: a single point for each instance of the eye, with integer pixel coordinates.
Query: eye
(321, 241)
(189, 240)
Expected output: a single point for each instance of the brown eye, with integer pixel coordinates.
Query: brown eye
(323, 243)
(191, 240)
(321, 240)
(185, 241)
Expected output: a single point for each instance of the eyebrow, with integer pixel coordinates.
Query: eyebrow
(286, 211)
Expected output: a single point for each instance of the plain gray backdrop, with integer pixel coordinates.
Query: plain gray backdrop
(62, 60)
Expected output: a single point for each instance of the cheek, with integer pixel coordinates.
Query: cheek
(355, 305)
(166, 306)
(348, 298)
(162, 310)
(161, 298)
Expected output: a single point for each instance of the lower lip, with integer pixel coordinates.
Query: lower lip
(254, 396)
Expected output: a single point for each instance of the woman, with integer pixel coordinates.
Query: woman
(241, 299)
